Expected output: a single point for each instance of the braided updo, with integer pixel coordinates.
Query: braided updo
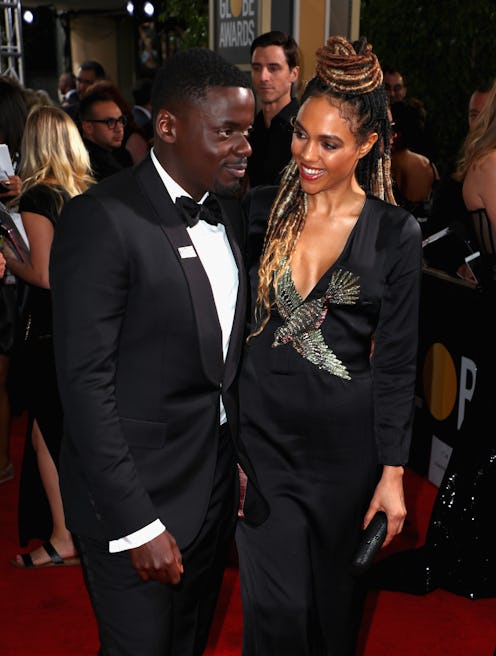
(349, 74)
(346, 70)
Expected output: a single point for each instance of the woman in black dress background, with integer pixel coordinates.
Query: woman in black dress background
(54, 167)
(327, 386)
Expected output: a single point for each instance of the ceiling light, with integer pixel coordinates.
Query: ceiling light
(28, 17)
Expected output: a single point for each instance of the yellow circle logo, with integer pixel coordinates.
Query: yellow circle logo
(236, 7)
(439, 381)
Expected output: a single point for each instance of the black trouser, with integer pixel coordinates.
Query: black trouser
(153, 619)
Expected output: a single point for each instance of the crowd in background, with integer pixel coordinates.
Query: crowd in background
(117, 134)
(60, 148)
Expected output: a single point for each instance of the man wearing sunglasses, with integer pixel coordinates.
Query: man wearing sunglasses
(102, 125)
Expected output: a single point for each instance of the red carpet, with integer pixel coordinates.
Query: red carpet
(46, 612)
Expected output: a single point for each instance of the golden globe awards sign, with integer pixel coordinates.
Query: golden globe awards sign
(235, 28)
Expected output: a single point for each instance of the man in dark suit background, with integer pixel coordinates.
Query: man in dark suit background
(102, 128)
(148, 326)
(142, 108)
(274, 72)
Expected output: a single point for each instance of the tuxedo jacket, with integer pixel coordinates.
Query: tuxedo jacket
(139, 359)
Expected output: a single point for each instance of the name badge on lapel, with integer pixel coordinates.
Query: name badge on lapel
(186, 252)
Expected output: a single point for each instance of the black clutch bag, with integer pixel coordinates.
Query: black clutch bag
(371, 541)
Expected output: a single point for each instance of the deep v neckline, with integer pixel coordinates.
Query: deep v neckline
(335, 264)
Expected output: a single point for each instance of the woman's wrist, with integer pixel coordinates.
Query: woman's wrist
(393, 471)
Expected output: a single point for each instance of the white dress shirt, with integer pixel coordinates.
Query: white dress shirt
(212, 246)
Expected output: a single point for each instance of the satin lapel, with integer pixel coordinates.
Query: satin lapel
(207, 322)
(239, 323)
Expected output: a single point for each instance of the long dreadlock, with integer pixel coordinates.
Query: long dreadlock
(351, 77)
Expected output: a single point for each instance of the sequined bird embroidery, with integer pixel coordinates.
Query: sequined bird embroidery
(302, 319)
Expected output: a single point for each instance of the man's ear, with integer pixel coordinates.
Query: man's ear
(165, 126)
(294, 73)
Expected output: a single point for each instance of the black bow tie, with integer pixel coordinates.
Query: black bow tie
(192, 212)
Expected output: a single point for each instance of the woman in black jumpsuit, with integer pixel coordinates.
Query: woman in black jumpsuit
(327, 385)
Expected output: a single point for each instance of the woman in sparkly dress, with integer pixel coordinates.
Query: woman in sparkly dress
(327, 385)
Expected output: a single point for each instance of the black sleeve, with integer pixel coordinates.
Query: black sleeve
(44, 200)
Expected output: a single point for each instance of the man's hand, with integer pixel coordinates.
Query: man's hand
(158, 560)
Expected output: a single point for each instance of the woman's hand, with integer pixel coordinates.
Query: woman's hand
(10, 187)
(389, 497)
(2, 265)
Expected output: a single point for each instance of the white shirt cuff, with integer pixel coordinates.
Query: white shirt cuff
(137, 538)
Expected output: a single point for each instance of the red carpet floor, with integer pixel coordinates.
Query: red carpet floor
(46, 612)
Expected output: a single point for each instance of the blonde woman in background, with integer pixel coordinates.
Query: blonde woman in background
(54, 167)
(477, 170)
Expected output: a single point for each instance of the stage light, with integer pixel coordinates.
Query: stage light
(140, 10)
(28, 17)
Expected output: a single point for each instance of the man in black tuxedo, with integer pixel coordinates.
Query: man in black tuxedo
(149, 315)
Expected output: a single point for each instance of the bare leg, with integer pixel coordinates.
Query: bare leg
(61, 537)
(4, 413)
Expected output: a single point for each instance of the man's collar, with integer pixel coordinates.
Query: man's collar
(173, 188)
(92, 146)
(287, 112)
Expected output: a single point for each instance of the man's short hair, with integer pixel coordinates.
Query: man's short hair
(392, 70)
(89, 99)
(92, 65)
(187, 76)
(277, 38)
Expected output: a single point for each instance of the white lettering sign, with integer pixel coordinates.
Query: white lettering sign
(236, 22)
(468, 376)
